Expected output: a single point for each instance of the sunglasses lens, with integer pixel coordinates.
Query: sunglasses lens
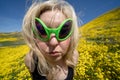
(66, 29)
(41, 31)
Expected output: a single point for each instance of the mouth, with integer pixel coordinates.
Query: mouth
(54, 53)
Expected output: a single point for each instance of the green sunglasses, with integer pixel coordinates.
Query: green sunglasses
(62, 32)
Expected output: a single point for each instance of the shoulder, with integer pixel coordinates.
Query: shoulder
(36, 76)
(70, 70)
(70, 73)
(29, 61)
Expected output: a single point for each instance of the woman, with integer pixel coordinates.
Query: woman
(51, 31)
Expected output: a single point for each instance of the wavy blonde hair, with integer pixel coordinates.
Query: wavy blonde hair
(36, 9)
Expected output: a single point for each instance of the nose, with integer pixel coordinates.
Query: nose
(53, 41)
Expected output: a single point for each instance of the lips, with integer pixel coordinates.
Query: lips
(55, 53)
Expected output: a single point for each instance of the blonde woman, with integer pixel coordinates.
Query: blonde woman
(51, 31)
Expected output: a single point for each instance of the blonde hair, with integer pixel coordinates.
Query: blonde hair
(36, 10)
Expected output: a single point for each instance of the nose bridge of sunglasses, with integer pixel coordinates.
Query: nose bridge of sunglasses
(53, 30)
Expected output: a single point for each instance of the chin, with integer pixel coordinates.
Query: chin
(56, 59)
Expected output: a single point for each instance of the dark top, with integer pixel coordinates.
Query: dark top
(36, 76)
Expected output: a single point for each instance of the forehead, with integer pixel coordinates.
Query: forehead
(52, 18)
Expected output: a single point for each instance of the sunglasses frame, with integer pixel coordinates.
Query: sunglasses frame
(48, 30)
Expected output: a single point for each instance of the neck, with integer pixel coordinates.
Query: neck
(62, 67)
(60, 62)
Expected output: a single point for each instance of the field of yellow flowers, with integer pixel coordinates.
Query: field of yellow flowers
(99, 51)
(99, 48)
(96, 62)
(11, 63)
(11, 60)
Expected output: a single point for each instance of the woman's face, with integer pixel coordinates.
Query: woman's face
(53, 50)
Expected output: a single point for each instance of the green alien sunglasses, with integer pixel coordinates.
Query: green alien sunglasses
(62, 32)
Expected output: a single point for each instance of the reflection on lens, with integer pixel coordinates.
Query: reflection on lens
(65, 30)
(41, 30)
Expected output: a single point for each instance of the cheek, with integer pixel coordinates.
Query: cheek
(42, 45)
(65, 44)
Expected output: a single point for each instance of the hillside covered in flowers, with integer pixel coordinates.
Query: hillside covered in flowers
(99, 51)
(99, 48)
